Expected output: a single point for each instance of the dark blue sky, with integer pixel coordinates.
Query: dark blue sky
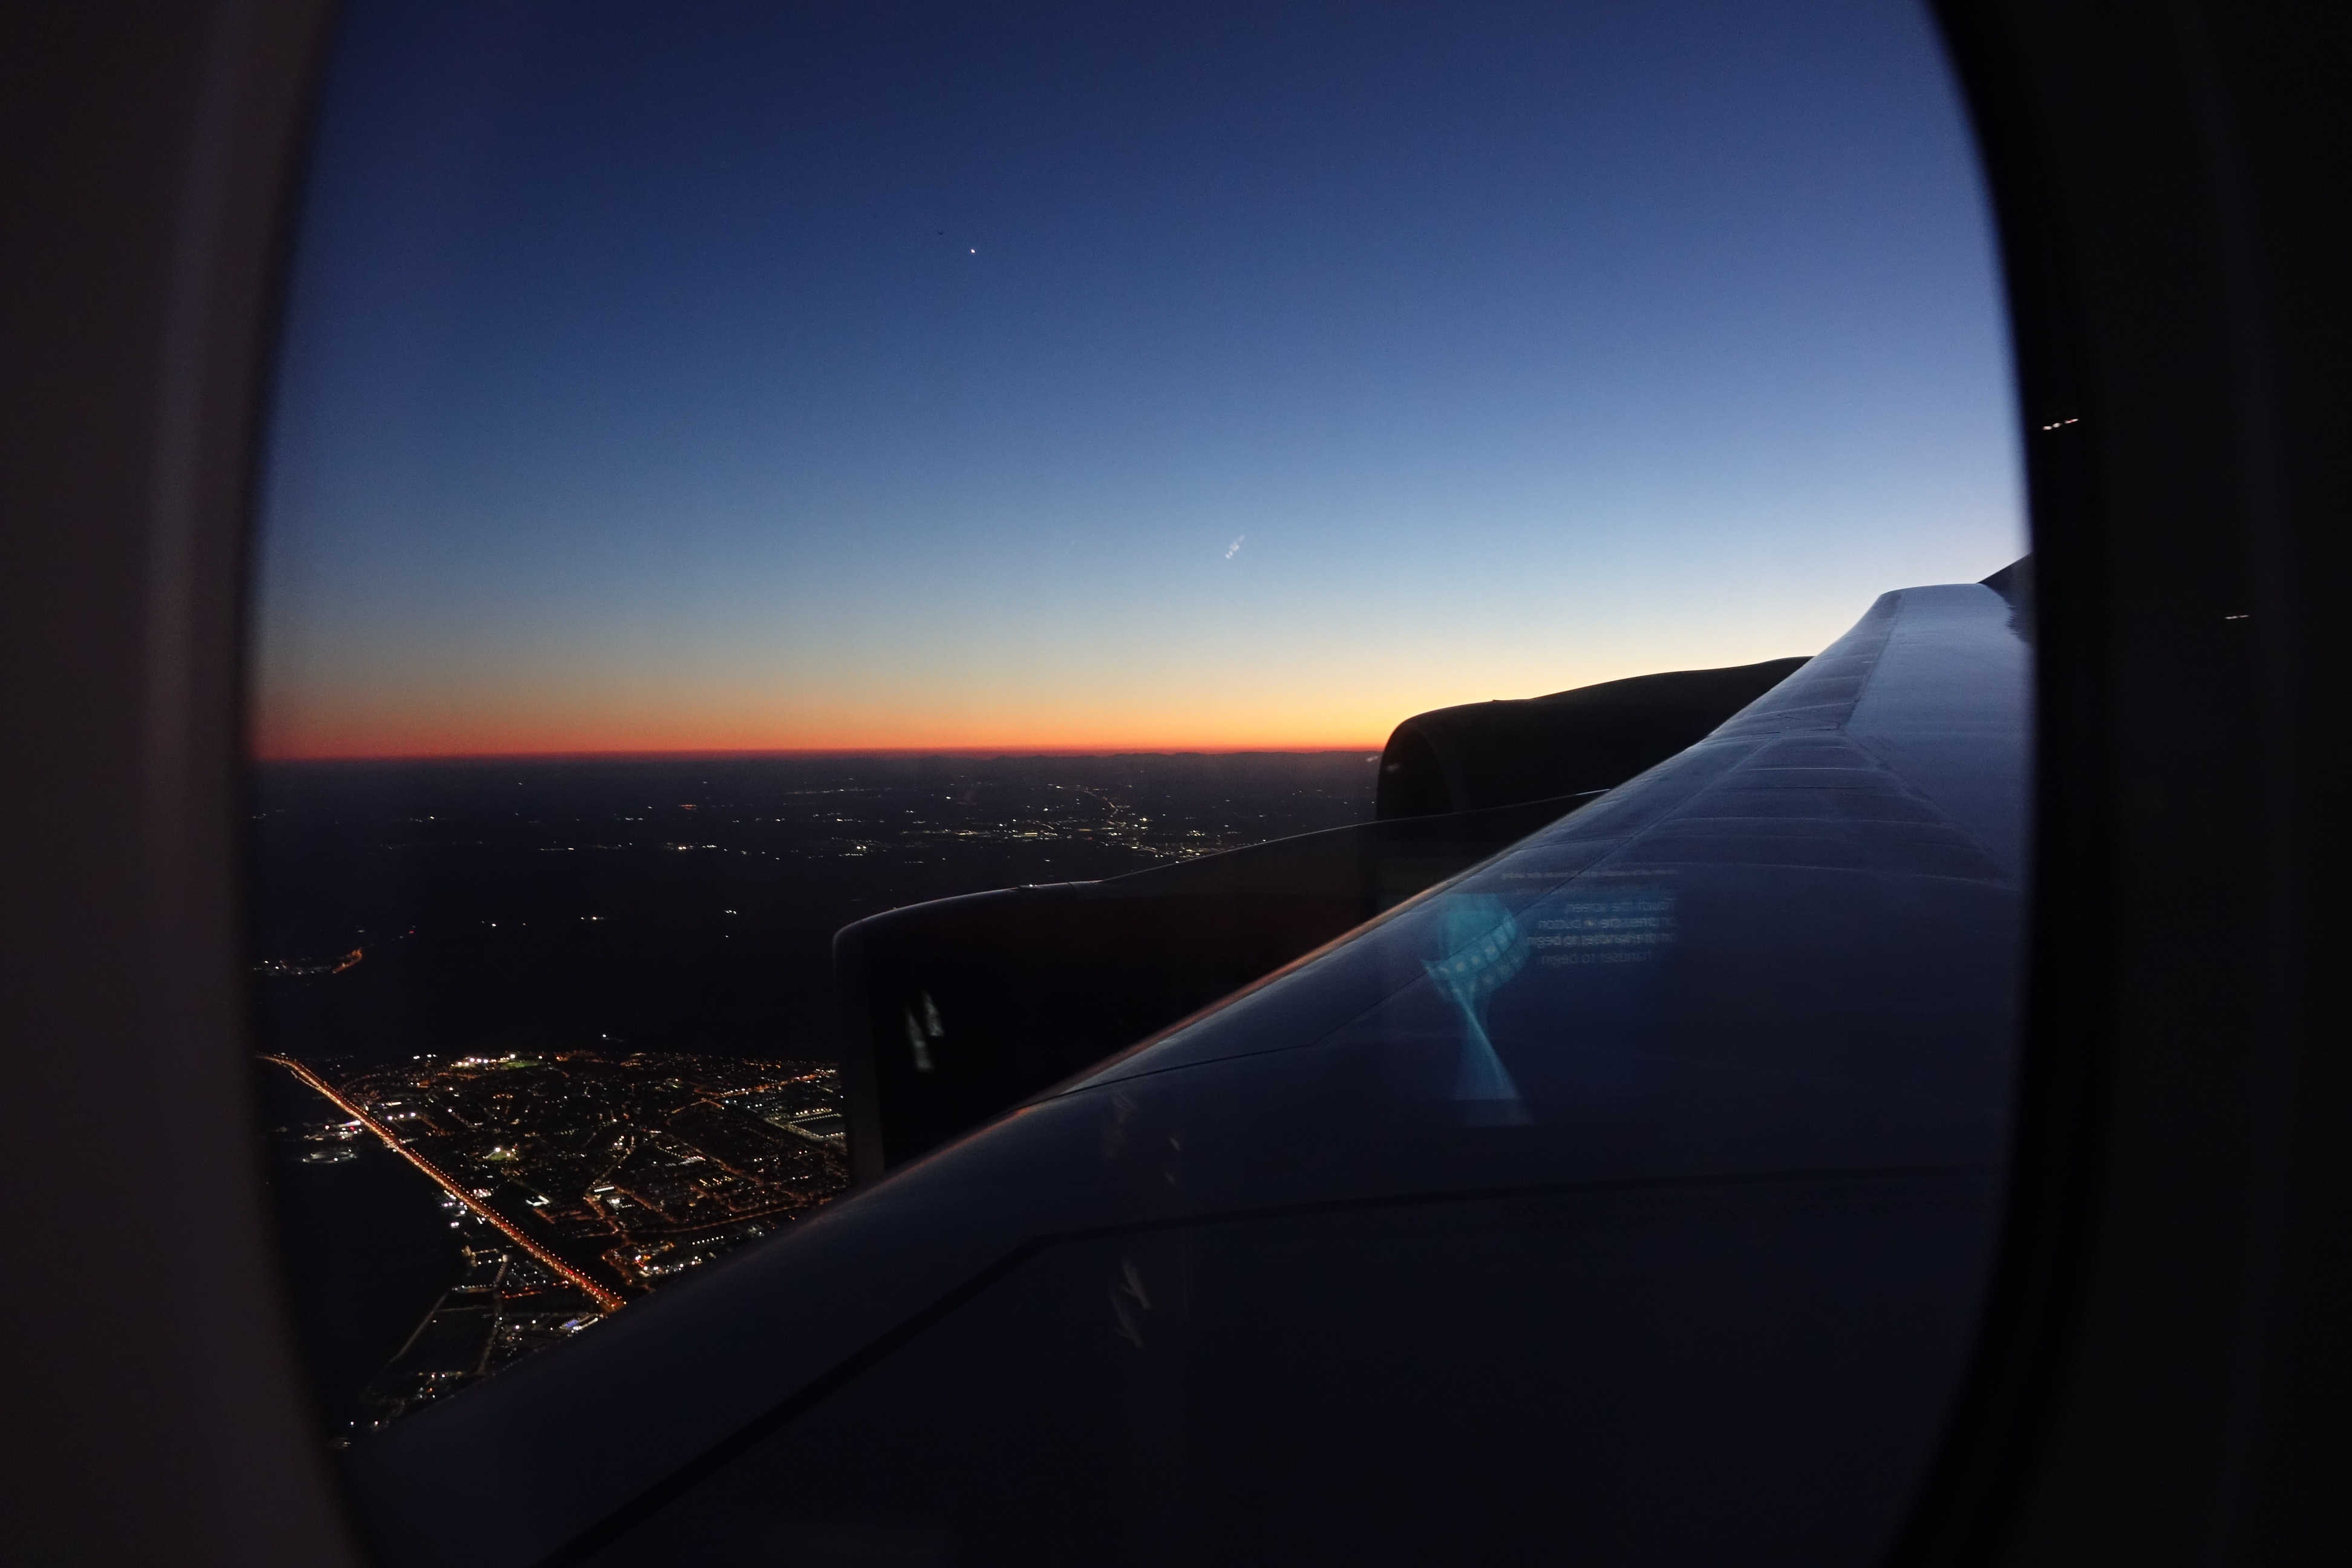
(740, 376)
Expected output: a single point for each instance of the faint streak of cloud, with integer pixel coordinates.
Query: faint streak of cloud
(1234, 548)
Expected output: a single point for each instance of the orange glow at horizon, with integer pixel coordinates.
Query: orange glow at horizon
(426, 750)
(1261, 687)
(658, 708)
(490, 713)
(353, 737)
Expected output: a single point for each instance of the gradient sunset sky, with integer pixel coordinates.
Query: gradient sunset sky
(701, 376)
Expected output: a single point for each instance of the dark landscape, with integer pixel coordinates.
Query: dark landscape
(553, 1033)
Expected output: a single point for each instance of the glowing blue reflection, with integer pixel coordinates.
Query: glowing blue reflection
(1484, 950)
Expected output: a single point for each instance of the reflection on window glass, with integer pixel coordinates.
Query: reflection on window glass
(828, 571)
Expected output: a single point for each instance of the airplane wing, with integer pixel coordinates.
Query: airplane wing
(1042, 982)
(1635, 1186)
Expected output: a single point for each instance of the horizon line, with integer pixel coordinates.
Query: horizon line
(713, 753)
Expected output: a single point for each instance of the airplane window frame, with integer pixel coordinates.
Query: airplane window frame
(2161, 182)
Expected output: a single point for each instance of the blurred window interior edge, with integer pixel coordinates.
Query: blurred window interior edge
(154, 702)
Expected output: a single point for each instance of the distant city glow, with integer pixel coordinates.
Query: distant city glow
(633, 399)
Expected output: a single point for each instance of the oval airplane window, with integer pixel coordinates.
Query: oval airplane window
(1074, 783)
